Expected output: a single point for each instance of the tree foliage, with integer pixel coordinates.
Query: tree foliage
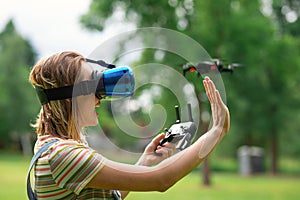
(17, 99)
(260, 35)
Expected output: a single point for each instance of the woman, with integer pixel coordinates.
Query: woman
(72, 170)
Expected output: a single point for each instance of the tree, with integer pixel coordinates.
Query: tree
(239, 31)
(286, 14)
(145, 14)
(17, 98)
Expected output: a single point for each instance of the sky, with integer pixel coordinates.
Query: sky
(53, 25)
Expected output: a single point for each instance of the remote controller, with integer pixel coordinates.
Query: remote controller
(180, 131)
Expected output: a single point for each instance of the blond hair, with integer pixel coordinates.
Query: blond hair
(56, 117)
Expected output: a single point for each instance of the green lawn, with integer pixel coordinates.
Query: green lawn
(231, 187)
(13, 170)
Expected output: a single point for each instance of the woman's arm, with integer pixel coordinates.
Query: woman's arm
(154, 154)
(162, 176)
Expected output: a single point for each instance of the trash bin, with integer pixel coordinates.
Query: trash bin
(251, 160)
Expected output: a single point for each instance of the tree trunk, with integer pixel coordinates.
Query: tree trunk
(204, 128)
(274, 153)
(25, 140)
(206, 172)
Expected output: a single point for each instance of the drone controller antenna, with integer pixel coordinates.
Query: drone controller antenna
(177, 114)
(190, 113)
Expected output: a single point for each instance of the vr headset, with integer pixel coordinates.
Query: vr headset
(113, 82)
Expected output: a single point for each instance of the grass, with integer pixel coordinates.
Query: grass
(229, 186)
(13, 172)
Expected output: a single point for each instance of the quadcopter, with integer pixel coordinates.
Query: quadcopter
(214, 66)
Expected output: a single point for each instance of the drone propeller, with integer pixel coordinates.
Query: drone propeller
(234, 65)
(218, 61)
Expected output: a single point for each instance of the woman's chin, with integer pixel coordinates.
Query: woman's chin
(93, 122)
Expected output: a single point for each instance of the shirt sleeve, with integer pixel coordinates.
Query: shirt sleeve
(74, 165)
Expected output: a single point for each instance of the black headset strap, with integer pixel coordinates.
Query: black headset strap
(82, 88)
(101, 62)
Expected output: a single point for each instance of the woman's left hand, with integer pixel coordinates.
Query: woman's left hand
(154, 153)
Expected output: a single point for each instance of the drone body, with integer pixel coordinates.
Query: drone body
(214, 66)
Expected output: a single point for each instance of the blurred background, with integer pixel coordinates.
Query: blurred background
(259, 159)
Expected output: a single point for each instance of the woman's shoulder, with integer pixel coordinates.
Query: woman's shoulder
(60, 143)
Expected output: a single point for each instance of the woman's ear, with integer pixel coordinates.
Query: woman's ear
(68, 103)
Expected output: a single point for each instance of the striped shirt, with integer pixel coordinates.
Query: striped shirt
(64, 171)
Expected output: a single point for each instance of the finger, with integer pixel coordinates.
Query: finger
(171, 145)
(155, 142)
(158, 138)
(207, 90)
(216, 96)
(213, 86)
(227, 115)
(212, 91)
(165, 152)
(158, 147)
(219, 98)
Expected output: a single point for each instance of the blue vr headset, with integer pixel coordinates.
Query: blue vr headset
(112, 82)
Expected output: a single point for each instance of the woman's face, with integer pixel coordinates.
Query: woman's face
(85, 105)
